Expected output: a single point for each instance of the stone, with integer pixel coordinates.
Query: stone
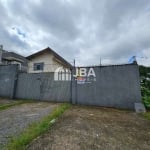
(139, 108)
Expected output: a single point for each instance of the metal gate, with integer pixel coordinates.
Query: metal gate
(42, 86)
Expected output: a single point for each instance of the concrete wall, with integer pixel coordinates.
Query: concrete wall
(41, 86)
(8, 75)
(115, 86)
(50, 63)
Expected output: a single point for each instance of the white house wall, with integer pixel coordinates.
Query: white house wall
(50, 65)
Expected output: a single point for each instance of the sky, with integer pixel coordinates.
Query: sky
(85, 30)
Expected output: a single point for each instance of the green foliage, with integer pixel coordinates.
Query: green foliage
(147, 115)
(146, 96)
(144, 70)
(144, 74)
(36, 129)
(145, 85)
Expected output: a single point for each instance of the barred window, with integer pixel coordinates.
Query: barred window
(38, 66)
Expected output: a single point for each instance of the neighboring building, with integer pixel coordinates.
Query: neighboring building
(8, 58)
(46, 60)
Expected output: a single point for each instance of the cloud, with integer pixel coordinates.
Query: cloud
(86, 30)
(19, 31)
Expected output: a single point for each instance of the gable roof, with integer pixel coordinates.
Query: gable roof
(50, 51)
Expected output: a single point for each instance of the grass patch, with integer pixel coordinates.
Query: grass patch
(36, 129)
(147, 115)
(5, 106)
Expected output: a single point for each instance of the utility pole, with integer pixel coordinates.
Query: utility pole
(1, 51)
(74, 63)
(100, 61)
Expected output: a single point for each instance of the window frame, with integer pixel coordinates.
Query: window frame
(38, 66)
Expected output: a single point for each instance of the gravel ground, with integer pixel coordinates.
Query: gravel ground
(94, 128)
(4, 101)
(15, 119)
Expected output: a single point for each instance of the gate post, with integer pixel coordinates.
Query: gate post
(14, 81)
(73, 87)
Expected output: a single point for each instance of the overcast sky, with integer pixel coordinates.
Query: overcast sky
(85, 30)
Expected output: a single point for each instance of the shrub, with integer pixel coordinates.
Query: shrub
(146, 97)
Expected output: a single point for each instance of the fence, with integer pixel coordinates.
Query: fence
(41, 86)
(111, 86)
(8, 76)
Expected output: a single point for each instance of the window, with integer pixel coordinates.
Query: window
(38, 66)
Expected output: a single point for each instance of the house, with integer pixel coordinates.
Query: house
(46, 60)
(8, 58)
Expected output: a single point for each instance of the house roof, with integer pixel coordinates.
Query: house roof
(12, 56)
(51, 51)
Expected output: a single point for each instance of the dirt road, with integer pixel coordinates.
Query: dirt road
(94, 128)
(15, 119)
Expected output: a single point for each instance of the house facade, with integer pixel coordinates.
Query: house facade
(46, 60)
(8, 58)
